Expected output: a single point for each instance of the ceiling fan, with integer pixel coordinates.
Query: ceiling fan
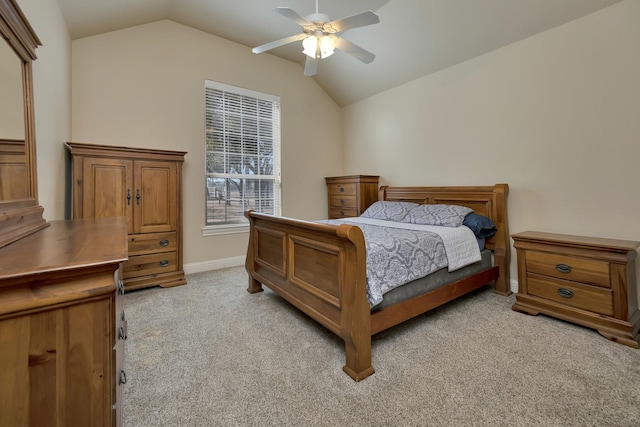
(320, 36)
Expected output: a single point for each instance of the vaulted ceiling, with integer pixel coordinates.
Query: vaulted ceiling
(414, 37)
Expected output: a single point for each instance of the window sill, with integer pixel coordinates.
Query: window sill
(219, 230)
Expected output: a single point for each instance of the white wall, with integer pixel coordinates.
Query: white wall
(556, 116)
(144, 87)
(52, 101)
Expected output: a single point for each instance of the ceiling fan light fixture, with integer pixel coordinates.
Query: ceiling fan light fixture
(319, 47)
(327, 46)
(310, 45)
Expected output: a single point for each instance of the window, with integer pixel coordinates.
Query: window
(242, 150)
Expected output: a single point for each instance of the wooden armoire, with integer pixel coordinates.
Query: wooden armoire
(145, 186)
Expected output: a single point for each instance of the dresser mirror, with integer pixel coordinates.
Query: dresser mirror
(20, 213)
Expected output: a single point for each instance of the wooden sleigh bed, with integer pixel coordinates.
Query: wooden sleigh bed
(321, 268)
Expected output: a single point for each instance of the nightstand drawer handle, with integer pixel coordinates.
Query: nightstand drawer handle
(342, 201)
(164, 242)
(565, 293)
(563, 268)
(342, 189)
(164, 263)
(341, 212)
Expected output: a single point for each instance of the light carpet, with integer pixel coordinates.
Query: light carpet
(211, 354)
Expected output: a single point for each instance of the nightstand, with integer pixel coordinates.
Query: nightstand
(349, 196)
(585, 280)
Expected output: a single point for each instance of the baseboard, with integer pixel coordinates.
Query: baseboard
(216, 264)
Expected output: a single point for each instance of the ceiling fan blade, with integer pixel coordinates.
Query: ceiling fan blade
(310, 66)
(355, 21)
(355, 50)
(278, 43)
(293, 15)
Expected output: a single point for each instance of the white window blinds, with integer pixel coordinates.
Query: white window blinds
(242, 147)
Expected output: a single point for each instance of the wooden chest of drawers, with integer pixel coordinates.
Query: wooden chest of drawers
(349, 196)
(585, 280)
(62, 325)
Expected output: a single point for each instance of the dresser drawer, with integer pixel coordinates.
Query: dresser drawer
(586, 297)
(149, 243)
(143, 265)
(569, 268)
(335, 212)
(342, 189)
(343, 202)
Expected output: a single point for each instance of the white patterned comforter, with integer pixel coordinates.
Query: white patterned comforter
(398, 253)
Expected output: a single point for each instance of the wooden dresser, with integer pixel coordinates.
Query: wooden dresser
(62, 330)
(585, 280)
(349, 196)
(144, 186)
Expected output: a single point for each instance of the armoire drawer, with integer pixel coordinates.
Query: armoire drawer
(591, 298)
(143, 265)
(149, 243)
(569, 268)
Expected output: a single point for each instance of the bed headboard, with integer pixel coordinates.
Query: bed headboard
(490, 201)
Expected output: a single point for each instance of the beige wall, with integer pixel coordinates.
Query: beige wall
(52, 101)
(144, 87)
(556, 116)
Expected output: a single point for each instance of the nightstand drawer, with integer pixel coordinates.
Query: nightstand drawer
(343, 202)
(342, 189)
(569, 268)
(586, 297)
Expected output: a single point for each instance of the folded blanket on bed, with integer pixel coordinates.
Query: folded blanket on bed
(398, 253)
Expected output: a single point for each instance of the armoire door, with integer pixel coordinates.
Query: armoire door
(108, 189)
(156, 197)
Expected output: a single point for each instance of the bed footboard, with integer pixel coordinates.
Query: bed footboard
(320, 269)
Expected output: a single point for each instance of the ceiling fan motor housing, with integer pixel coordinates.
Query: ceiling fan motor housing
(319, 18)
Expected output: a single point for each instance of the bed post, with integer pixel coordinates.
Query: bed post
(355, 312)
(502, 251)
(254, 285)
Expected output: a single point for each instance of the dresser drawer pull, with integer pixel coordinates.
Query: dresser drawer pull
(342, 189)
(341, 212)
(565, 293)
(123, 377)
(563, 268)
(164, 242)
(342, 201)
(164, 263)
(121, 335)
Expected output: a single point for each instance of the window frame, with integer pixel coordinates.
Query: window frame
(242, 226)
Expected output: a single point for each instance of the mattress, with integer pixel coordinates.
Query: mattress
(433, 281)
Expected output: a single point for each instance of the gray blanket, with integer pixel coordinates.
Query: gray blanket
(398, 254)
